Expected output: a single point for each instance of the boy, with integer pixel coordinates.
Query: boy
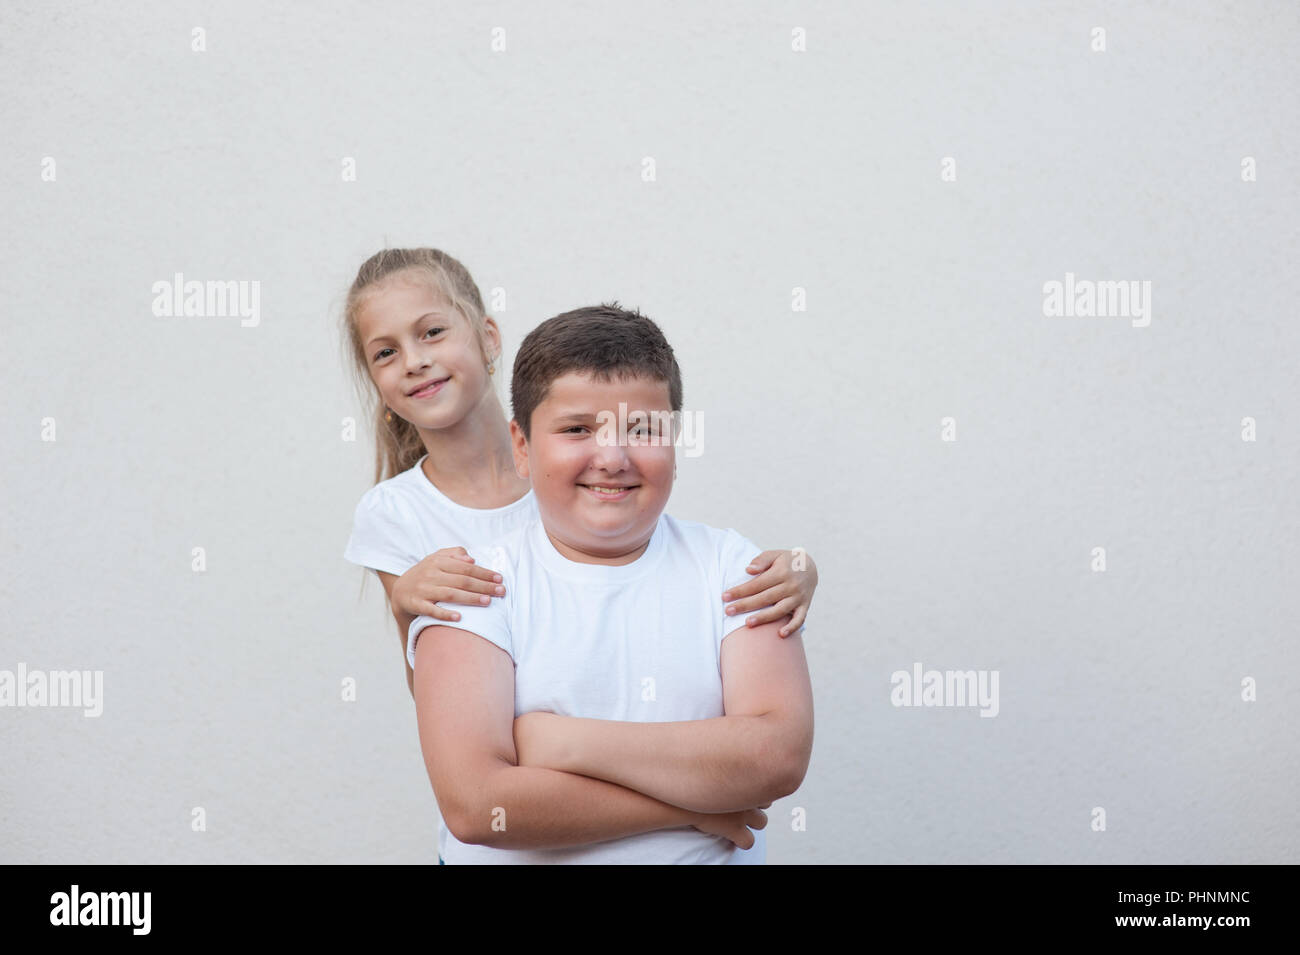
(630, 684)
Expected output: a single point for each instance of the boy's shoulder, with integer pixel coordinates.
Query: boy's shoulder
(506, 551)
(729, 550)
(700, 535)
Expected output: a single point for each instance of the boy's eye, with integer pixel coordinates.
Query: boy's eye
(576, 427)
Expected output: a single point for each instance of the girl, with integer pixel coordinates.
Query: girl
(422, 346)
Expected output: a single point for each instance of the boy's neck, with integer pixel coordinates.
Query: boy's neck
(583, 556)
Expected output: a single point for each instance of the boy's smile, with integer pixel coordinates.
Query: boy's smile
(599, 499)
(611, 492)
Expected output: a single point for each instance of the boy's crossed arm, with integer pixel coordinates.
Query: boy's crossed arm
(464, 698)
(756, 753)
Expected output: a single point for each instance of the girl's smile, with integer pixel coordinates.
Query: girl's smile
(429, 388)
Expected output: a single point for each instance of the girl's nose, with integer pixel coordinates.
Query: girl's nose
(417, 360)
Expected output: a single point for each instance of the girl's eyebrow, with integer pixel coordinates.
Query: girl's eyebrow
(434, 314)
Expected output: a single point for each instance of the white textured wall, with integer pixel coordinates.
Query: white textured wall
(775, 169)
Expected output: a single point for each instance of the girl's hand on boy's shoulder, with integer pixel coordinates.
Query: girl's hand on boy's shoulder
(449, 575)
(783, 585)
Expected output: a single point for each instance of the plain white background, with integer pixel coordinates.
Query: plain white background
(775, 169)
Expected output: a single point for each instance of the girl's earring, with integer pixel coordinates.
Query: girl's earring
(492, 368)
(388, 415)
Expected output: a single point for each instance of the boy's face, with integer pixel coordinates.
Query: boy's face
(568, 458)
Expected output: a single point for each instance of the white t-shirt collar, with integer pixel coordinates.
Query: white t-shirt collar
(444, 501)
(557, 563)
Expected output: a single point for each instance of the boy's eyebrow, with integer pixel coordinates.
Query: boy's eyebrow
(438, 313)
(588, 415)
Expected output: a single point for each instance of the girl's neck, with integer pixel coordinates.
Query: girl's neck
(472, 462)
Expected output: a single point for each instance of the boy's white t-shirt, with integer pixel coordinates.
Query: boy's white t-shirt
(404, 519)
(638, 642)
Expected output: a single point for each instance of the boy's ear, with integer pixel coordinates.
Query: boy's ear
(520, 447)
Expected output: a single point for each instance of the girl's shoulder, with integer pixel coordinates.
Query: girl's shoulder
(405, 485)
(394, 499)
(389, 530)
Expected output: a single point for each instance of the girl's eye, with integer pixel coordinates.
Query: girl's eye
(382, 354)
(433, 331)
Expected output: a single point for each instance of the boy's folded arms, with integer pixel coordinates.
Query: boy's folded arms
(465, 708)
(758, 752)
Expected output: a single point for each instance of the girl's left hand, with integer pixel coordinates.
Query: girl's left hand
(778, 587)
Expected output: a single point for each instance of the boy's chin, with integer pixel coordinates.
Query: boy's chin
(594, 535)
(600, 534)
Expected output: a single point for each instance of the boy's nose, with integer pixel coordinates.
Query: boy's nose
(610, 457)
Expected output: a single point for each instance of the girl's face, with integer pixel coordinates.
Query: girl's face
(422, 354)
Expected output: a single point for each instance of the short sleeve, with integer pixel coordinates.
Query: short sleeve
(384, 534)
(491, 622)
(735, 551)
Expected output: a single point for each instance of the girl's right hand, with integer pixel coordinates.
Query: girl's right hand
(733, 826)
(449, 574)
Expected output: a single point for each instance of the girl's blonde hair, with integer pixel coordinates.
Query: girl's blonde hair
(397, 443)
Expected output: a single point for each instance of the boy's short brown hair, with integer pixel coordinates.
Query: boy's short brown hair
(606, 340)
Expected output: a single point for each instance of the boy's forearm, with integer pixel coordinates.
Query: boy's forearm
(526, 807)
(724, 764)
